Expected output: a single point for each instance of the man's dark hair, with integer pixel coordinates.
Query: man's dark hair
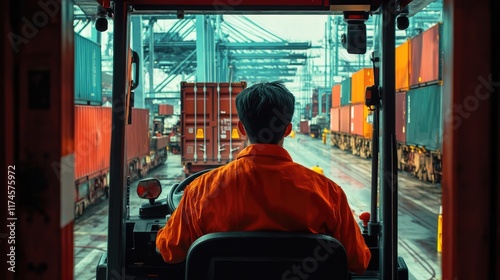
(265, 109)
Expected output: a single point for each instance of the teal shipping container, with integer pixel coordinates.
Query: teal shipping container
(424, 126)
(88, 72)
(345, 92)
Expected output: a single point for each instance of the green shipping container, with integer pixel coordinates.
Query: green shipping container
(88, 71)
(345, 92)
(424, 117)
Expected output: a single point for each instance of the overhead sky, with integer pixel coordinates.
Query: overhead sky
(293, 27)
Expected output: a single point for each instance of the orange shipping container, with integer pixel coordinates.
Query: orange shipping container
(92, 140)
(345, 118)
(426, 57)
(403, 62)
(335, 119)
(336, 96)
(359, 124)
(359, 81)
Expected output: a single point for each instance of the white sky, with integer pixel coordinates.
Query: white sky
(294, 27)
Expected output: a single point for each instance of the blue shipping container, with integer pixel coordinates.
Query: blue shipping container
(88, 71)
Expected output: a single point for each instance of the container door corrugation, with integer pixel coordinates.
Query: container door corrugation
(209, 123)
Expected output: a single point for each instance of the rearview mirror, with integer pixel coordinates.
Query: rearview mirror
(149, 189)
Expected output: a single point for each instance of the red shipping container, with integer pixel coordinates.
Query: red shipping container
(210, 136)
(137, 134)
(359, 124)
(92, 140)
(336, 96)
(335, 119)
(165, 109)
(425, 57)
(161, 142)
(401, 117)
(304, 126)
(345, 119)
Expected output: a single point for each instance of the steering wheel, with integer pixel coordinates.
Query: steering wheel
(177, 190)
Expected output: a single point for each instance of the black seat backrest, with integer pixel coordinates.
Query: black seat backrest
(266, 255)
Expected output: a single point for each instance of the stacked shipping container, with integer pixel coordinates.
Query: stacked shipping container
(92, 150)
(418, 107)
(349, 126)
(88, 72)
(421, 152)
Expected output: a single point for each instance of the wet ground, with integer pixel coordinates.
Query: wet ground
(417, 217)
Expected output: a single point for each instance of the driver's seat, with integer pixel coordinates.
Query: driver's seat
(266, 255)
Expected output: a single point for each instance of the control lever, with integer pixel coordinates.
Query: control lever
(365, 218)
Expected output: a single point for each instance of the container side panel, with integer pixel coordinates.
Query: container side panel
(345, 92)
(335, 119)
(356, 127)
(92, 140)
(401, 117)
(367, 122)
(425, 57)
(165, 109)
(345, 119)
(88, 72)
(403, 66)
(359, 81)
(423, 124)
(137, 135)
(336, 96)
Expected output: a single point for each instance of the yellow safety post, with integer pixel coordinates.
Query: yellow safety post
(323, 138)
(292, 134)
(440, 230)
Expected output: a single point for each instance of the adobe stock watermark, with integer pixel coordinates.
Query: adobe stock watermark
(30, 28)
(311, 264)
(471, 103)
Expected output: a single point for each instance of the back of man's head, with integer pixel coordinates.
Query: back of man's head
(265, 109)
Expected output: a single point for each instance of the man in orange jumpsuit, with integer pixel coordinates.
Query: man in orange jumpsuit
(263, 189)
